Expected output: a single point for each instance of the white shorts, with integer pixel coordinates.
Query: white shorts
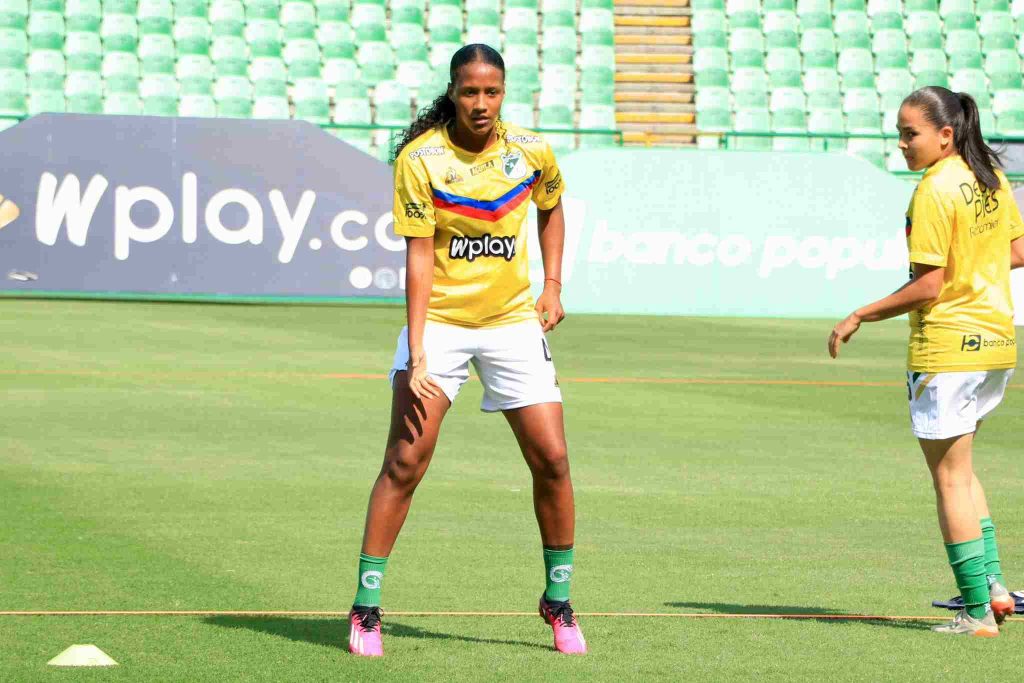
(948, 404)
(513, 362)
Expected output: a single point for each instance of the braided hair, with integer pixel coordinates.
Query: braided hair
(441, 111)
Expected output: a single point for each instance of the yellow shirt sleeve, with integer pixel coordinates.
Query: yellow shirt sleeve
(548, 191)
(931, 228)
(1012, 211)
(414, 202)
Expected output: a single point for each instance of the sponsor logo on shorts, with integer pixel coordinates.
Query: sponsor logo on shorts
(427, 152)
(371, 579)
(560, 573)
(971, 342)
(470, 248)
(414, 210)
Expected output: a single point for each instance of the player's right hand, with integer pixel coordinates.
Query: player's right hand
(421, 384)
(842, 332)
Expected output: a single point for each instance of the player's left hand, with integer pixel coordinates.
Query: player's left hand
(842, 332)
(549, 307)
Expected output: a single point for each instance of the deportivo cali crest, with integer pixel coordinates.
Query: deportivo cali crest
(513, 165)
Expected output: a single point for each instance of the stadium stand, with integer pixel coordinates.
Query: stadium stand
(815, 66)
(331, 62)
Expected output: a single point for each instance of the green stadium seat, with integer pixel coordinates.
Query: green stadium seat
(988, 122)
(230, 56)
(336, 39)
(997, 31)
(46, 69)
(13, 48)
(195, 75)
(738, 7)
(871, 150)
(441, 54)
(351, 108)
(83, 15)
(710, 60)
(960, 22)
(598, 82)
(227, 18)
(261, 9)
(597, 19)
(340, 69)
(928, 60)
(892, 60)
(1007, 102)
(745, 20)
(895, 83)
(557, 118)
(376, 61)
(408, 35)
(14, 14)
(811, 7)
(83, 91)
(787, 99)
(268, 107)
(755, 120)
(46, 31)
(487, 35)
(364, 13)
(155, 16)
(119, 33)
(781, 29)
(745, 41)
(402, 5)
(861, 100)
(959, 42)
(156, 52)
(820, 60)
(191, 8)
(910, 6)
(159, 94)
(332, 10)
(46, 6)
(926, 78)
(13, 92)
(197, 106)
(269, 77)
(973, 82)
(784, 67)
(122, 104)
(965, 60)
(83, 51)
(515, 17)
(413, 68)
(522, 36)
(710, 29)
(826, 122)
(840, 6)
(1003, 69)
(821, 81)
(120, 72)
(818, 40)
(407, 14)
(298, 20)
(749, 80)
(858, 79)
(447, 16)
(233, 95)
(948, 7)
(707, 4)
(519, 114)
(854, 59)
(889, 40)
(927, 38)
(42, 101)
(302, 55)
(790, 122)
(264, 38)
(779, 5)
(849, 23)
(984, 7)
(831, 100)
(120, 6)
(192, 36)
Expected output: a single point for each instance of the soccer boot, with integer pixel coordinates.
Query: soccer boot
(568, 636)
(1003, 604)
(966, 625)
(364, 632)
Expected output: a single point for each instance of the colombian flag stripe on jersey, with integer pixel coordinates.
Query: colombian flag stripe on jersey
(493, 210)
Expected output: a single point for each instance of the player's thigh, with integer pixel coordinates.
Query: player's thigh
(415, 423)
(540, 431)
(949, 460)
(516, 367)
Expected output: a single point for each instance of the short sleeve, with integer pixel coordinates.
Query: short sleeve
(548, 191)
(414, 204)
(931, 228)
(1016, 225)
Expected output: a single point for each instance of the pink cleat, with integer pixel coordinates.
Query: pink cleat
(568, 636)
(364, 632)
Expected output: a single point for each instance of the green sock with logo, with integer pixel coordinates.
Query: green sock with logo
(992, 567)
(557, 573)
(968, 562)
(371, 575)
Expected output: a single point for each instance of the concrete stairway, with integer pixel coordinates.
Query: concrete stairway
(654, 72)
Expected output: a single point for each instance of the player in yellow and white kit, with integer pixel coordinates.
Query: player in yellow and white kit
(964, 234)
(463, 184)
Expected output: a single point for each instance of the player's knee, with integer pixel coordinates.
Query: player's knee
(552, 463)
(948, 481)
(404, 469)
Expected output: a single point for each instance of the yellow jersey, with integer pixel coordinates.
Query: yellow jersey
(956, 223)
(474, 206)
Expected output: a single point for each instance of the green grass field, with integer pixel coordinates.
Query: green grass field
(203, 457)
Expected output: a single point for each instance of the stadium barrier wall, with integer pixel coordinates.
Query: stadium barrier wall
(130, 207)
(151, 207)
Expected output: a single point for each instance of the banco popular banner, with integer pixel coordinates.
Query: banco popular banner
(179, 206)
(732, 233)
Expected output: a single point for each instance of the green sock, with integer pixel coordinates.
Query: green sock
(992, 566)
(557, 572)
(968, 562)
(371, 574)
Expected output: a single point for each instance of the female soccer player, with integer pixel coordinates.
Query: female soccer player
(964, 235)
(463, 179)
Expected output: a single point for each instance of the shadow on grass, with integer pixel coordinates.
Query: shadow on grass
(334, 632)
(818, 614)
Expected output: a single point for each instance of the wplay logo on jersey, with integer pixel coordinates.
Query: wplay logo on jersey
(9, 212)
(971, 342)
(513, 165)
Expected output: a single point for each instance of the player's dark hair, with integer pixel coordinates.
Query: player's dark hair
(943, 107)
(441, 111)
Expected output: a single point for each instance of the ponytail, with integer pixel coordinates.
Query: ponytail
(969, 141)
(959, 111)
(441, 111)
